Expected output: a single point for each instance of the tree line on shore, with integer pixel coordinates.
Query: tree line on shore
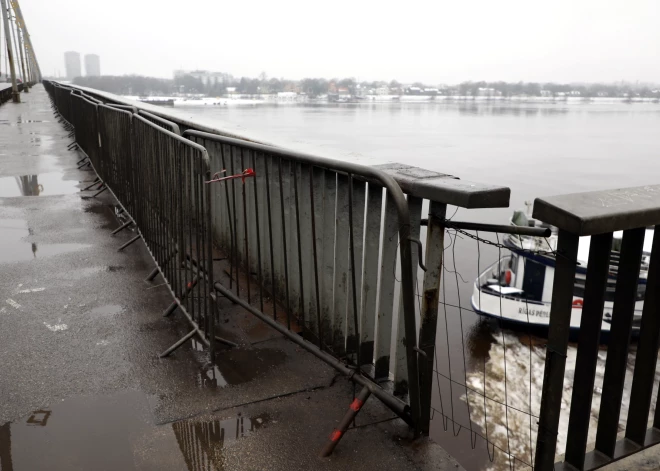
(221, 84)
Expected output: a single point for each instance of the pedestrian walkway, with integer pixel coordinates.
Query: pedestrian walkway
(81, 384)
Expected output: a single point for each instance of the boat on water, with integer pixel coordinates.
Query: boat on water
(518, 287)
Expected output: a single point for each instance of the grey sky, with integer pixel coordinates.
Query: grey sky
(432, 41)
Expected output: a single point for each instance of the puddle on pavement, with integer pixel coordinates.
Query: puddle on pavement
(202, 443)
(237, 366)
(15, 248)
(45, 184)
(109, 310)
(116, 432)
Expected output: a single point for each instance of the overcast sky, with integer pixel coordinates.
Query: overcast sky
(435, 41)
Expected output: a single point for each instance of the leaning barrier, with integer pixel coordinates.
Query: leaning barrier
(328, 253)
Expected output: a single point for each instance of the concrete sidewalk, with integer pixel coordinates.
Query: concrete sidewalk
(81, 386)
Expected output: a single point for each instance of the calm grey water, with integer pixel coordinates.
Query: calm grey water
(536, 150)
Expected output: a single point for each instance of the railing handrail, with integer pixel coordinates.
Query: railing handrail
(413, 181)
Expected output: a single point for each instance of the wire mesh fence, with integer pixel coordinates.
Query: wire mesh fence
(491, 349)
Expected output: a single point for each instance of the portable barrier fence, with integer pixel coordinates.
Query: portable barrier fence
(342, 259)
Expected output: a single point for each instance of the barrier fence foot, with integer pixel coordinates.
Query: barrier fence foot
(226, 342)
(152, 275)
(122, 227)
(172, 307)
(86, 164)
(95, 194)
(128, 243)
(94, 183)
(183, 340)
(338, 433)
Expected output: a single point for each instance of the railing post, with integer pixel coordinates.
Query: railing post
(555, 361)
(587, 355)
(647, 353)
(435, 241)
(617, 350)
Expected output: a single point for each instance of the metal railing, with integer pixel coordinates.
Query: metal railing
(599, 215)
(319, 247)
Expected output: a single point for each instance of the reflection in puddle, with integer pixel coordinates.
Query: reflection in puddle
(202, 442)
(46, 184)
(238, 366)
(116, 433)
(14, 247)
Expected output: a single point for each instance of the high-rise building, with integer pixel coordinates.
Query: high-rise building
(72, 64)
(92, 65)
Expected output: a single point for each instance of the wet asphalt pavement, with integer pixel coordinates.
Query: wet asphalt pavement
(81, 384)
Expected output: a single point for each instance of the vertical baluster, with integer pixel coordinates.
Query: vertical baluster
(341, 267)
(370, 272)
(435, 245)
(390, 236)
(328, 261)
(358, 190)
(555, 361)
(617, 351)
(587, 354)
(401, 359)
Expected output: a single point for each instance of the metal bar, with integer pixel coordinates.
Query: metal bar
(128, 243)
(587, 352)
(370, 270)
(386, 294)
(617, 351)
(357, 190)
(301, 312)
(354, 292)
(246, 234)
(270, 237)
(349, 417)
(435, 246)
(401, 348)
(286, 264)
(122, 227)
(647, 353)
(172, 307)
(555, 361)
(328, 259)
(342, 268)
(498, 228)
(183, 340)
(258, 232)
(312, 189)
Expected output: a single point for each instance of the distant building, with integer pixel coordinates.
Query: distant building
(383, 91)
(92, 65)
(488, 92)
(207, 78)
(72, 64)
(546, 93)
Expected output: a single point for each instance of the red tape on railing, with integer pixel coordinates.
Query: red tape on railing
(248, 172)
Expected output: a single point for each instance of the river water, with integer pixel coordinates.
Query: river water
(536, 149)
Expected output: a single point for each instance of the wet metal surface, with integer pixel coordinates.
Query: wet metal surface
(80, 331)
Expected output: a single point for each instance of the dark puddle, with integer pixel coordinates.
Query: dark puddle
(109, 310)
(45, 184)
(15, 248)
(116, 433)
(237, 366)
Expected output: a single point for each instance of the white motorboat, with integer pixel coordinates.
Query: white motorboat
(518, 287)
